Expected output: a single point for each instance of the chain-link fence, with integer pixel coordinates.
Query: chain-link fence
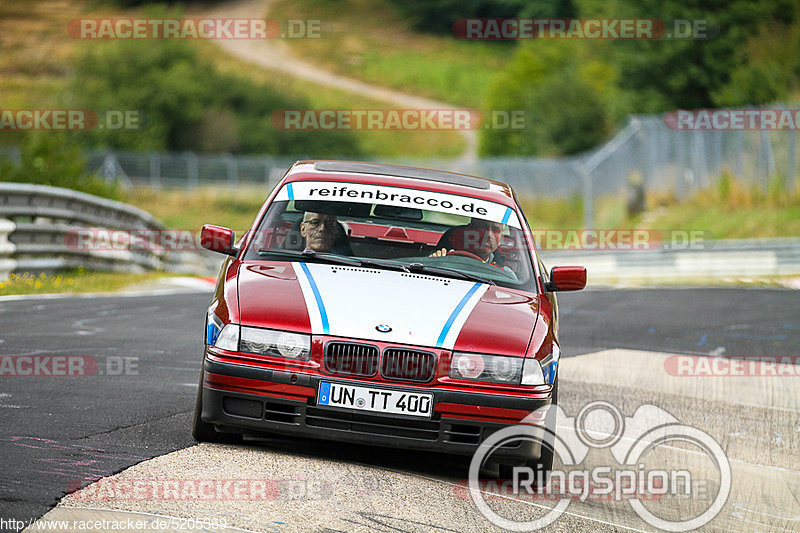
(645, 156)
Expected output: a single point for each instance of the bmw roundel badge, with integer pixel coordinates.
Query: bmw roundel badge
(383, 328)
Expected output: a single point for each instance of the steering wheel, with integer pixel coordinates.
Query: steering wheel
(464, 253)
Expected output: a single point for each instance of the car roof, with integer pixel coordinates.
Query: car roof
(401, 176)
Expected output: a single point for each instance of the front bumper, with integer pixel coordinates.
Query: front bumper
(252, 400)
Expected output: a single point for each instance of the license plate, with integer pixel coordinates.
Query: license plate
(378, 400)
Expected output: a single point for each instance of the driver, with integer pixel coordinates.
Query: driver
(318, 231)
(479, 237)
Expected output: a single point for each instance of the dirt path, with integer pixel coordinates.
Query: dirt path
(275, 55)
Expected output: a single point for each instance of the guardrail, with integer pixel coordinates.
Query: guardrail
(733, 258)
(38, 222)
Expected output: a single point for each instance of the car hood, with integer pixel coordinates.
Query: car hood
(387, 306)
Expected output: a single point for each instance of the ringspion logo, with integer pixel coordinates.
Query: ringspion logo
(634, 478)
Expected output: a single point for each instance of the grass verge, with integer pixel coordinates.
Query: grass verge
(177, 209)
(389, 144)
(74, 281)
(728, 211)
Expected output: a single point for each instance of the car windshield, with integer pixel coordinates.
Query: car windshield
(395, 228)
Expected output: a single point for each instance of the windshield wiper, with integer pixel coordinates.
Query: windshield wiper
(311, 254)
(367, 262)
(337, 258)
(383, 264)
(448, 272)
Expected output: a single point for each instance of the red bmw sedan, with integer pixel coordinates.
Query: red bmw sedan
(384, 305)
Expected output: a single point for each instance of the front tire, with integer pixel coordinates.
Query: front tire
(545, 460)
(202, 431)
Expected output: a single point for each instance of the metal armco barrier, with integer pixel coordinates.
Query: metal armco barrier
(37, 223)
(734, 258)
(36, 220)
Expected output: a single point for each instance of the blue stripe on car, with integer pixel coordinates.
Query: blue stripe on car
(318, 297)
(507, 215)
(289, 191)
(454, 314)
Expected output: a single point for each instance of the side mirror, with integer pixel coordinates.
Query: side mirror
(566, 278)
(217, 239)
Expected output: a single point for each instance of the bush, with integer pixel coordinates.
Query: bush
(186, 103)
(438, 16)
(56, 159)
(685, 73)
(771, 70)
(566, 94)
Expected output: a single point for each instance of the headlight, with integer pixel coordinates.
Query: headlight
(275, 343)
(483, 367)
(541, 372)
(532, 372)
(228, 339)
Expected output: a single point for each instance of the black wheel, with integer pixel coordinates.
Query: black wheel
(202, 431)
(545, 461)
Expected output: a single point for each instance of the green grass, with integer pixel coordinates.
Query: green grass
(73, 281)
(368, 40)
(742, 214)
(36, 52)
(725, 223)
(389, 144)
(730, 211)
(567, 213)
(189, 210)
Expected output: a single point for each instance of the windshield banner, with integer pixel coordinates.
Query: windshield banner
(400, 197)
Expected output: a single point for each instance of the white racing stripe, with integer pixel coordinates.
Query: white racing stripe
(353, 302)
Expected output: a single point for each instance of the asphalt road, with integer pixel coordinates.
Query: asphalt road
(58, 431)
